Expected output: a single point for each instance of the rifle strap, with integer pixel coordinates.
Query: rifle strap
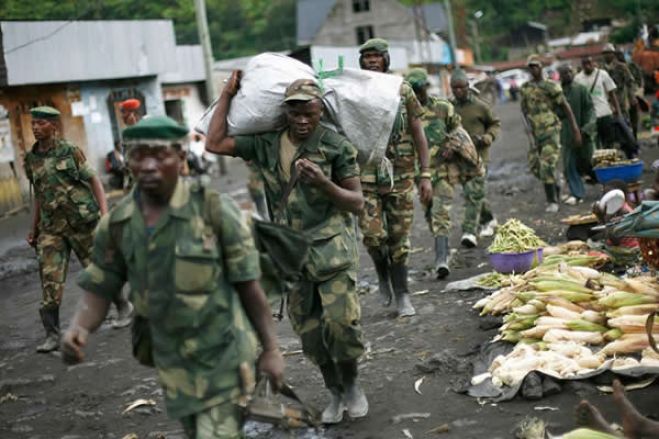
(592, 87)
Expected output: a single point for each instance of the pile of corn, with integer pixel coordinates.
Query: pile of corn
(515, 237)
(554, 306)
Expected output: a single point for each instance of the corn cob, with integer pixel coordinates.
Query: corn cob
(536, 332)
(563, 303)
(563, 313)
(587, 433)
(634, 310)
(568, 295)
(557, 335)
(626, 344)
(636, 285)
(593, 316)
(624, 298)
(527, 309)
(612, 334)
(561, 285)
(585, 325)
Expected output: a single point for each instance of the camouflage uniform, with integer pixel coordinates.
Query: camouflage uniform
(386, 219)
(483, 128)
(69, 213)
(439, 119)
(540, 101)
(256, 191)
(625, 84)
(181, 273)
(324, 308)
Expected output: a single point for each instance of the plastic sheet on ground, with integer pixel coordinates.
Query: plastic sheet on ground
(487, 390)
(470, 283)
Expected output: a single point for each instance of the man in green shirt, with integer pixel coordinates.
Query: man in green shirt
(312, 185)
(483, 128)
(193, 272)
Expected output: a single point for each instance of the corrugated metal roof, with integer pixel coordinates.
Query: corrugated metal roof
(189, 66)
(39, 52)
(311, 14)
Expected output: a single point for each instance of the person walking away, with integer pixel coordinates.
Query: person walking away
(194, 270)
(639, 86)
(69, 199)
(625, 90)
(449, 159)
(602, 90)
(541, 99)
(386, 220)
(311, 181)
(483, 128)
(577, 159)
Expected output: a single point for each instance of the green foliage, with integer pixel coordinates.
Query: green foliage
(237, 27)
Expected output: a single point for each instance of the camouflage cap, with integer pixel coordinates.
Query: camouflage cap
(44, 112)
(609, 48)
(303, 90)
(459, 75)
(417, 77)
(534, 60)
(377, 44)
(155, 130)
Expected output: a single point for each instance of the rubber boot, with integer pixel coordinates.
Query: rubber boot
(399, 282)
(441, 257)
(124, 313)
(380, 258)
(333, 413)
(353, 396)
(50, 321)
(552, 198)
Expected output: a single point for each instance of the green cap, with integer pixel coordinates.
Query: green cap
(44, 112)
(156, 130)
(303, 90)
(534, 60)
(417, 77)
(377, 44)
(459, 75)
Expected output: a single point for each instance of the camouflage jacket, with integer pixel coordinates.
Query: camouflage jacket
(479, 121)
(60, 177)
(181, 275)
(307, 208)
(400, 151)
(540, 103)
(625, 83)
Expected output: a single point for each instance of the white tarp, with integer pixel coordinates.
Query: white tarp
(361, 105)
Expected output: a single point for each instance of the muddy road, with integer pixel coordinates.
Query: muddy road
(42, 398)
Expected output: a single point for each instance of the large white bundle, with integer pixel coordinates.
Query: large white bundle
(359, 104)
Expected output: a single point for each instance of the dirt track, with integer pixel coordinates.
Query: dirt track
(86, 401)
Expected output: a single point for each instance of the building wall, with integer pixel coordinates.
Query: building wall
(190, 98)
(390, 20)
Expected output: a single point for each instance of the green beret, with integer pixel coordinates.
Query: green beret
(44, 112)
(459, 75)
(377, 44)
(417, 77)
(156, 130)
(534, 60)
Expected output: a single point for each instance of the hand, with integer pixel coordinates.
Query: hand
(425, 191)
(271, 363)
(73, 342)
(310, 172)
(32, 238)
(577, 139)
(233, 83)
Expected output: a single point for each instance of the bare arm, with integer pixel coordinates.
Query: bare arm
(99, 194)
(218, 140)
(91, 312)
(346, 195)
(421, 145)
(258, 311)
(573, 122)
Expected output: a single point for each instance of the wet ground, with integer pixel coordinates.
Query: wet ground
(42, 398)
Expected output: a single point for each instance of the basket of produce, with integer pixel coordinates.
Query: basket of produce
(628, 171)
(515, 248)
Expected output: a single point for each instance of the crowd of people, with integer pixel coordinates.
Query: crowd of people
(190, 260)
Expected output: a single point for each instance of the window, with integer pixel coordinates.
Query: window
(364, 33)
(361, 6)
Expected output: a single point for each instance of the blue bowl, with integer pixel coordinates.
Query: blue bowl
(515, 262)
(628, 173)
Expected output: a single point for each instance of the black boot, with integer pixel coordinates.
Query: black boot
(399, 282)
(552, 198)
(441, 257)
(50, 320)
(380, 258)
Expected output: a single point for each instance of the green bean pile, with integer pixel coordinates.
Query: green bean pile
(515, 237)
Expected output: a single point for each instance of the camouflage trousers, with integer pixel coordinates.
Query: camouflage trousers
(223, 421)
(543, 159)
(326, 316)
(438, 214)
(386, 219)
(54, 252)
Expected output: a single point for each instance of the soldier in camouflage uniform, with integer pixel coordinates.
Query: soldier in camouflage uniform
(257, 191)
(638, 91)
(312, 185)
(190, 260)
(69, 199)
(454, 160)
(541, 99)
(483, 128)
(386, 220)
(625, 85)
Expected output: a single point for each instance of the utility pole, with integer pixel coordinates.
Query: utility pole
(451, 31)
(476, 35)
(205, 41)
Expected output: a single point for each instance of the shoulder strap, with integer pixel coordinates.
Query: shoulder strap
(592, 87)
